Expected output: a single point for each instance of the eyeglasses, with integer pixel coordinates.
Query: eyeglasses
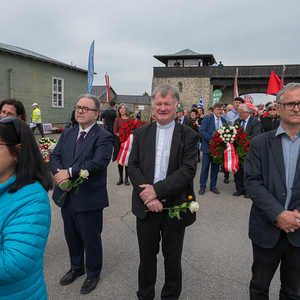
(272, 109)
(84, 108)
(290, 105)
(14, 121)
(5, 144)
(7, 114)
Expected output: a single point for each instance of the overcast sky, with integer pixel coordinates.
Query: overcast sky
(128, 33)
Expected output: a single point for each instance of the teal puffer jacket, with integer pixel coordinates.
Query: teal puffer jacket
(25, 218)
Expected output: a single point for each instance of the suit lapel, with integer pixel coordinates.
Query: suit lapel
(176, 138)
(278, 154)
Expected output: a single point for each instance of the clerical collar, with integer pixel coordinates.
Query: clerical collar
(168, 126)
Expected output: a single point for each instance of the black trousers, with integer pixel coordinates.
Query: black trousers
(265, 263)
(83, 233)
(239, 180)
(150, 231)
(40, 128)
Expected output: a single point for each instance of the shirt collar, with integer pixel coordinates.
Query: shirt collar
(168, 126)
(280, 130)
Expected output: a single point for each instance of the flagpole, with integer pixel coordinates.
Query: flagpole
(235, 90)
(282, 77)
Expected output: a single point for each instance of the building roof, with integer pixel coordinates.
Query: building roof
(184, 54)
(99, 90)
(132, 99)
(33, 55)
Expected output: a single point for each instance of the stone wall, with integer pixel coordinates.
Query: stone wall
(192, 89)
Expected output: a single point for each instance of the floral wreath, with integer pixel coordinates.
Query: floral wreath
(129, 127)
(235, 135)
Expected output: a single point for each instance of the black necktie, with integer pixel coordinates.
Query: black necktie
(79, 141)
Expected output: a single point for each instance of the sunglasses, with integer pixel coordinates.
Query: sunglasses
(14, 121)
(272, 109)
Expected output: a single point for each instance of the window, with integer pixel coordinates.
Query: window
(57, 92)
(180, 87)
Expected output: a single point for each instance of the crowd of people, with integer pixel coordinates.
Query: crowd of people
(161, 168)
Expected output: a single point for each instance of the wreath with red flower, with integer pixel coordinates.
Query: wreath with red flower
(128, 128)
(233, 134)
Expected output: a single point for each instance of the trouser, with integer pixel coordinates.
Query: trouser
(40, 128)
(239, 180)
(150, 231)
(120, 168)
(265, 263)
(206, 162)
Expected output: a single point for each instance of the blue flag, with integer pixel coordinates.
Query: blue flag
(91, 68)
(200, 102)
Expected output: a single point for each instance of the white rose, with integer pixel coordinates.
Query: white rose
(227, 130)
(84, 174)
(194, 206)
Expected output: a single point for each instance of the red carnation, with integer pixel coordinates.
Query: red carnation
(247, 149)
(218, 144)
(217, 153)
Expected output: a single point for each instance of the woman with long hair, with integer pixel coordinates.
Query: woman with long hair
(123, 115)
(25, 212)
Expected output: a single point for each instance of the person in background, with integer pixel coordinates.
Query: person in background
(177, 63)
(109, 117)
(232, 115)
(220, 64)
(195, 126)
(12, 108)
(272, 121)
(37, 119)
(123, 115)
(73, 119)
(180, 118)
(139, 115)
(210, 110)
(25, 212)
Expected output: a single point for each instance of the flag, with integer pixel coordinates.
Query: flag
(107, 87)
(91, 68)
(282, 79)
(260, 107)
(235, 92)
(200, 102)
(274, 84)
(248, 98)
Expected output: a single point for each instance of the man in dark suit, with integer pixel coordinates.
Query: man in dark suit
(209, 125)
(181, 118)
(84, 147)
(272, 180)
(253, 128)
(161, 167)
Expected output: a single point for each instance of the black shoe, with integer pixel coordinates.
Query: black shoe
(201, 191)
(120, 181)
(246, 195)
(71, 276)
(89, 285)
(238, 193)
(127, 181)
(215, 190)
(226, 180)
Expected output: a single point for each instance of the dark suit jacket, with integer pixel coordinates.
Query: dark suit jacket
(186, 121)
(265, 184)
(253, 127)
(207, 129)
(93, 155)
(178, 184)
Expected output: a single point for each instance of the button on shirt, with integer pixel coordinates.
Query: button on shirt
(164, 136)
(291, 150)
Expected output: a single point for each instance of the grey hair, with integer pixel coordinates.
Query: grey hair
(271, 105)
(92, 97)
(127, 112)
(289, 87)
(245, 107)
(165, 89)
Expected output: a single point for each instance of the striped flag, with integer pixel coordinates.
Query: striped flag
(91, 68)
(248, 98)
(107, 87)
(200, 102)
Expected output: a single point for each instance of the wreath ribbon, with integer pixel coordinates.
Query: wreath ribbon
(231, 159)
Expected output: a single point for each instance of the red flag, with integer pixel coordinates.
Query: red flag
(274, 84)
(260, 107)
(107, 87)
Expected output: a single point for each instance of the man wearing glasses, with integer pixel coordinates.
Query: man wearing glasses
(272, 180)
(12, 108)
(84, 147)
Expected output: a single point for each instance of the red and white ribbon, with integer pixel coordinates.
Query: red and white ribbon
(231, 159)
(125, 150)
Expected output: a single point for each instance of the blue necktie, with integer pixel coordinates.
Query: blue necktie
(79, 141)
(218, 124)
(244, 122)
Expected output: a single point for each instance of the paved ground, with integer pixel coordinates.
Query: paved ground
(216, 260)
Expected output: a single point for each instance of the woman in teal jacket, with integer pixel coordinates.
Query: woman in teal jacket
(25, 212)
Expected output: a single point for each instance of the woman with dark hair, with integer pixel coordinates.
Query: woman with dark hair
(25, 212)
(12, 108)
(123, 115)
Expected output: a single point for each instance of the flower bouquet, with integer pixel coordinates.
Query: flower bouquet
(126, 134)
(229, 147)
(46, 147)
(57, 130)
